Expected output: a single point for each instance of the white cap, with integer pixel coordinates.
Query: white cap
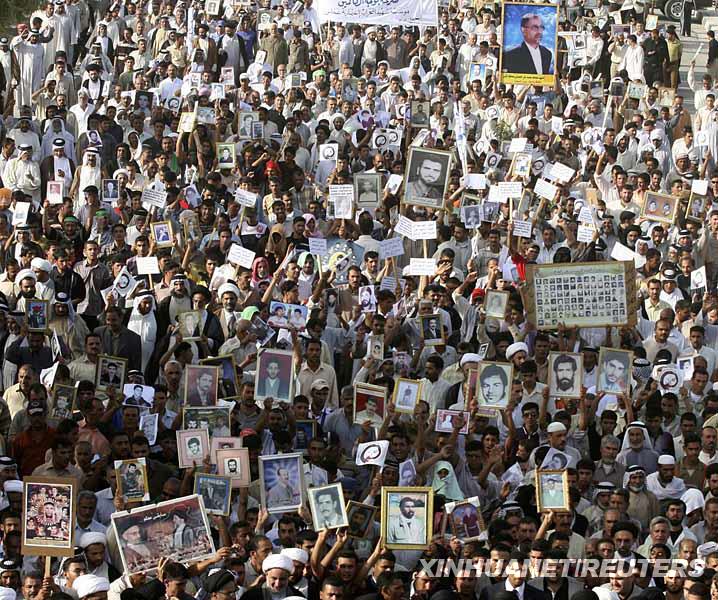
(296, 554)
(666, 459)
(26, 274)
(469, 357)
(693, 500)
(92, 537)
(13, 485)
(706, 549)
(7, 593)
(516, 347)
(227, 287)
(556, 427)
(41, 264)
(85, 585)
(278, 561)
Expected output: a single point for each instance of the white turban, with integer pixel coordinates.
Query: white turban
(92, 537)
(227, 287)
(277, 561)
(296, 554)
(469, 357)
(13, 485)
(693, 499)
(26, 274)
(41, 264)
(7, 593)
(85, 585)
(515, 348)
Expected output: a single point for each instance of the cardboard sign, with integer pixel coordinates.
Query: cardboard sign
(153, 197)
(422, 266)
(391, 247)
(241, 256)
(522, 229)
(148, 265)
(246, 198)
(318, 246)
(545, 189)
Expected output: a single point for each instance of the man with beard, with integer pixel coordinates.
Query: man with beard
(427, 181)
(277, 569)
(65, 323)
(177, 302)
(117, 340)
(297, 579)
(228, 294)
(675, 511)
(662, 482)
(406, 529)
(642, 504)
(564, 372)
(143, 322)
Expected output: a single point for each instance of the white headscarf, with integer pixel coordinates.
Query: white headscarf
(646, 439)
(144, 325)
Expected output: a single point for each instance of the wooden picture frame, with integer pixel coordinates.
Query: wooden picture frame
(49, 503)
(358, 528)
(466, 529)
(241, 475)
(545, 483)
(132, 493)
(393, 532)
(37, 315)
(111, 371)
(405, 401)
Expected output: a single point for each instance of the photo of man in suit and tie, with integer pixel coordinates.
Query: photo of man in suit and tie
(274, 376)
(529, 43)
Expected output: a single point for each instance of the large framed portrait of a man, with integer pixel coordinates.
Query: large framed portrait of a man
(327, 506)
(427, 177)
(530, 40)
(493, 386)
(201, 384)
(565, 374)
(281, 482)
(274, 375)
(552, 491)
(407, 516)
(614, 370)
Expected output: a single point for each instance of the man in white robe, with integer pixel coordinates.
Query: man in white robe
(29, 74)
(144, 323)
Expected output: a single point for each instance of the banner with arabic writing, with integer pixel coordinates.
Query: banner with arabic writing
(379, 12)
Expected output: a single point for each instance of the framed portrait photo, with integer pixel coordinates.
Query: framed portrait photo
(361, 518)
(200, 385)
(327, 506)
(63, 402)
(427, 177)
(565, 374)
(37, 315)
(281, 482)
(110, 372)
(464, 519)
(54, 192)
(223, 443)
(187, 122)
(432, 331)
(306, 432)
(216, 419)
(132, 479)
(189, 322)
(225, 156)
(177, 529)
(552, 491)
(369, 403)
(228, 385)
(660, 207)
(666, 96)
(445, 420)
(49, 505)
(614, 370)
(406, 395)
(216, 493)
(162, 234)
(110, 190)
(420, 114)
(493, 385)
(192, 447)
(143, 100)
(367, 190)
(496, 303)
(524, 26)
(696, 208)
(245, 124)
(407, 517)
(234, 463)
(274, 376)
